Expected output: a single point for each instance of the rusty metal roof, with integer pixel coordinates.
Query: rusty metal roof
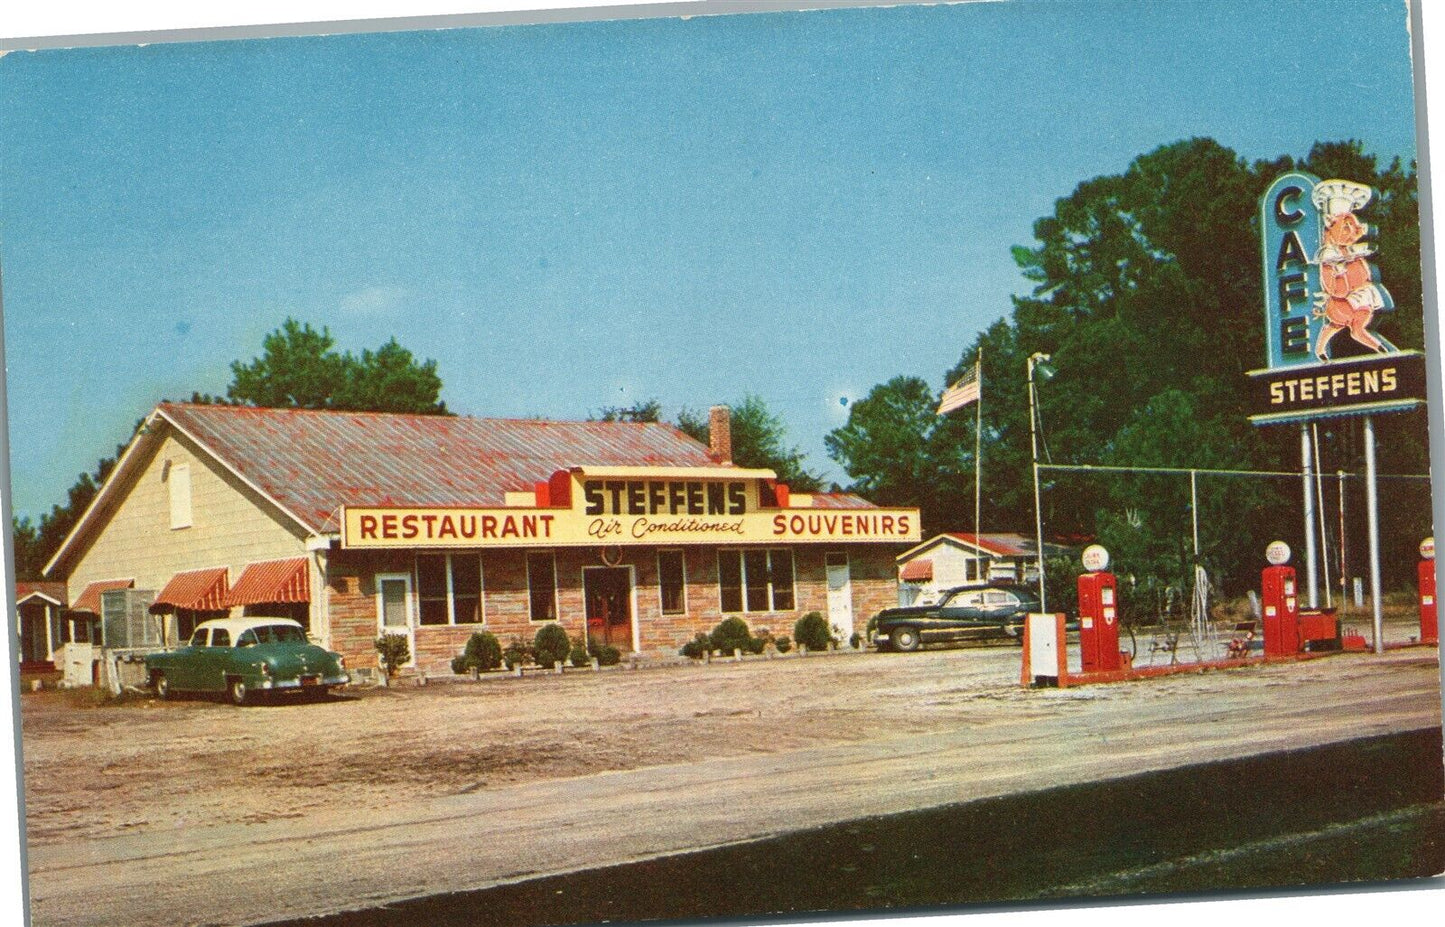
(311, 463)
(840, 500)
(51, 592)
(917, 571)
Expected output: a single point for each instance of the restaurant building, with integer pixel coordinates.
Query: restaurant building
(357, 524)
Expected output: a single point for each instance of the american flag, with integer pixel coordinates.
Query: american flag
(966, 390)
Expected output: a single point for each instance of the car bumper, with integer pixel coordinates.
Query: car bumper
(281, 684)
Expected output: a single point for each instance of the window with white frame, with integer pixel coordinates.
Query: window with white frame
(449, 588)
(756, 580)
(542, 586)
(672, 582)
(178, 486)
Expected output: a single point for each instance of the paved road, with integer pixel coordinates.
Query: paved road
(239, 874)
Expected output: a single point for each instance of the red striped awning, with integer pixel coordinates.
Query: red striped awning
(89, 600)
(272, 582)
(197, 590)
(917, 571)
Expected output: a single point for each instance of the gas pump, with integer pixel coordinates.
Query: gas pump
(1098, 613)
(1279, 603)
(1429, 621)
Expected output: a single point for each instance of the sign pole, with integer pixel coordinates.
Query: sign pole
(1372, 506)
(978, 457)
(1038, 508)
(1307, 459)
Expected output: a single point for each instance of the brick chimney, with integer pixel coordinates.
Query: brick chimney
(720, 434)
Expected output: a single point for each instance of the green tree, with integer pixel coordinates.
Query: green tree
(645, 410)
(300, 368)
(759, 439)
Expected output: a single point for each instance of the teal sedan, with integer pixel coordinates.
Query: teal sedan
(245, 656)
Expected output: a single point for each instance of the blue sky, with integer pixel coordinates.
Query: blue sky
(799, 205)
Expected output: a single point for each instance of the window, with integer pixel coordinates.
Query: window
(756, 580)
(178, 484)
(431, 590)
(247, 639)
(199, 638)
(220, 637)
(449, 588)
(542, 586)
(671, 581)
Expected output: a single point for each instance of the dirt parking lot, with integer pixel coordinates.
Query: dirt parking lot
(110, 789)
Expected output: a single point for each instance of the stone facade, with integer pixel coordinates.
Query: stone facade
(353, 604)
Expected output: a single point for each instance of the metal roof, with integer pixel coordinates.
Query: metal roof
(54, 593)
(917, 571)
(310, 463)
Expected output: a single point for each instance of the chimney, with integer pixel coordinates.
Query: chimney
(720, 434)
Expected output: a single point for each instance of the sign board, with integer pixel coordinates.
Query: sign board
(1277, 553)
(1427, 548)
(627, 512)
(1322, 298)
(1095, 558)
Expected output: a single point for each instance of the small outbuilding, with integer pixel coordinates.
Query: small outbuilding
(958, 558)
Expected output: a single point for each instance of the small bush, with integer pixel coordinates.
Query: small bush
(855, 640)
(551, 645)
(698, 647)
(394, 652)
(731, 634)
(516, 654)
(607, 655)
(579, 656)
(812, 631)
(784, 644)
(459, 665)
(482, 652)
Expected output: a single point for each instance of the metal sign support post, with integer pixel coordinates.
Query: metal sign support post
(1311, 579)
(1038, 509)
(1372, 506)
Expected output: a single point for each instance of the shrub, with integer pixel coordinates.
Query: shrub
(784, 644)
(579, 656)
(698, 647)
(607, 655)
(517, 653)
(551, 645)
(855, 640)
(482, 651)
(731, 634)
(394, 652)
(459, 665)
(812, 631)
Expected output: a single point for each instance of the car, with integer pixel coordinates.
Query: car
(965, 613)
(245, 656)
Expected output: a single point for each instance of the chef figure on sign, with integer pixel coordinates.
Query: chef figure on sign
(1352, 293)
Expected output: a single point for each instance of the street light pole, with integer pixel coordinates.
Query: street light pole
(1038, 509)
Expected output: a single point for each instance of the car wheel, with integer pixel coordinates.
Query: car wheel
(239, 693)
(905, 639)
(162, 686)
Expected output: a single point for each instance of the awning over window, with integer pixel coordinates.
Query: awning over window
(272, 582)
(917, 571)
(89, 600)
(197, 590)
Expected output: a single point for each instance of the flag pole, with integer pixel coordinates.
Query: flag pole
(978, 458)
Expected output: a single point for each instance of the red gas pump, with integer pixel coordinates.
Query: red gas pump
(1279, 603)
(1429, 621)
(1098, 614)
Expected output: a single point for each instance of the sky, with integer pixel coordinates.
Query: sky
(798, 205)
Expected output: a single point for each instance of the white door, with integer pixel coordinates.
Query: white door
(393, 609)
(840, 596)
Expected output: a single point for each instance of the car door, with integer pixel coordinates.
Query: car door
(956, 617)
(217, 661)
(184, 668)
(999, 608)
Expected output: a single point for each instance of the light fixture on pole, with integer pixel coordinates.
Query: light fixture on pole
(1037, 361)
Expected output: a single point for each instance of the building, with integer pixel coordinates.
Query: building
(435, 527)
(38, 609)
(957, 558)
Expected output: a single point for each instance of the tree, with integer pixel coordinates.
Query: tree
(300, 368)
(645, 410)
(758, 441)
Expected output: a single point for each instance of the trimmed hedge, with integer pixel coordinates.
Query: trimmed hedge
(812, 631)
(551, 645)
